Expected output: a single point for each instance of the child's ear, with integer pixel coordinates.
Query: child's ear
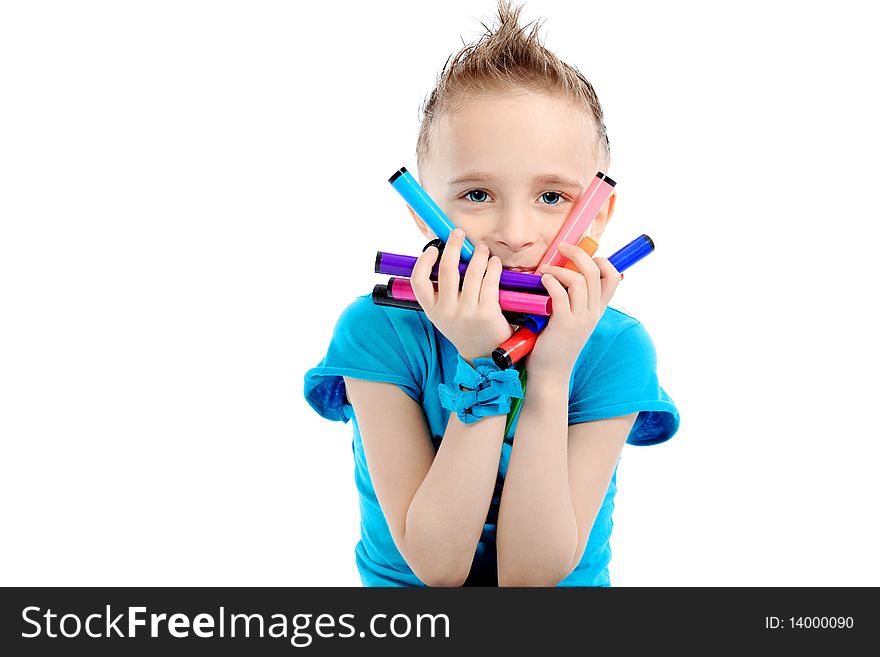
(421, 225)
(602, 219)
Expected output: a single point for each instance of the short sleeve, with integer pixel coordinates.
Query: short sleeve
(372, 343)
(624, 381)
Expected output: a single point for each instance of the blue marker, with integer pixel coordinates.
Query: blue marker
(624, 258)
(428, 211)
(621, 259)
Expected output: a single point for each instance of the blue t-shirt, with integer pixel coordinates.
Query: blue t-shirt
(615, 374)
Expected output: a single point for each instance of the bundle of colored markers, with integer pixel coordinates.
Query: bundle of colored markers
(522, 297)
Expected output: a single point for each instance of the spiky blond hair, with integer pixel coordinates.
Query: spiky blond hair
(508, 59)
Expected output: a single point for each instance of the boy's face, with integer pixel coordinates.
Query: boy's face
(508, 168)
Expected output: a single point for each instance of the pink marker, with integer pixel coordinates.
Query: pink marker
(582, 215)
(509, 300)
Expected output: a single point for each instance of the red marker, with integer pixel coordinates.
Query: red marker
(514, 348)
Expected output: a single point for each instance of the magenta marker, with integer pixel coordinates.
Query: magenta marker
(381, 298)
(582, 215)
(517, 302)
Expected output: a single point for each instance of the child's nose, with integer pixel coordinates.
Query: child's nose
(514, 231)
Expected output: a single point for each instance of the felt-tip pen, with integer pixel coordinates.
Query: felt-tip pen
(579, 219)
(517, 302)
(427, 210)
(394, 264)
(381, 298)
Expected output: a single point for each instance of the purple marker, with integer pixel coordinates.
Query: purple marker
(402, 265)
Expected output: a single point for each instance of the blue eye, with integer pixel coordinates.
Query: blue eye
(476, 191)
(480, 196)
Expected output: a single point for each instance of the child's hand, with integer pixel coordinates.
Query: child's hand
(579, 301)
(471, 319)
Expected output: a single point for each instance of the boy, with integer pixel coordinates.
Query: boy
(510, 139)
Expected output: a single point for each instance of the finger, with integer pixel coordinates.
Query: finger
(420, 279)
(489, 289)
(557, 294)
(610, 279)
(579, 258)
(594, 289)
(575, 284)
(448, 278)
(589, 270)
(473, 277)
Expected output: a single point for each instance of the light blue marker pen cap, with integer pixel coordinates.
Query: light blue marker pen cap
(428, 211)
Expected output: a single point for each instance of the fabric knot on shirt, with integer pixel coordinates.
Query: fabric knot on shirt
(489, 392)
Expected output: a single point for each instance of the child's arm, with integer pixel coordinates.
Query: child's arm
(435, 506)
(557, 476)
(556, 481)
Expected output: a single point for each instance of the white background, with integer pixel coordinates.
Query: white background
(176, 178)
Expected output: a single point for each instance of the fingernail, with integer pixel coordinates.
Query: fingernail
(458, 232)
(565, 244)
(621, 277)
